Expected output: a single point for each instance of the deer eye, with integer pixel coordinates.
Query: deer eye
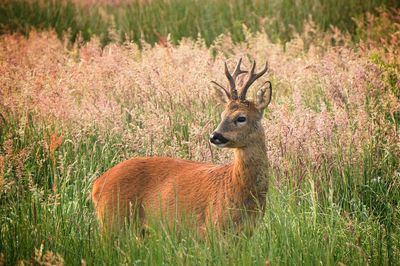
(241, 119)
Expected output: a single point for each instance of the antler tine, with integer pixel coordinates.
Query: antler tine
(222, 87)
(234, 93)
(238, 71)
(252, 77)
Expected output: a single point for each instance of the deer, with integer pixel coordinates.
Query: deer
(213, 194)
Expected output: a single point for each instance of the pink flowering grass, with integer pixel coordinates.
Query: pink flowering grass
(324, 98)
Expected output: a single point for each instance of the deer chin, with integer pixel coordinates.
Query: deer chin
(221, 145)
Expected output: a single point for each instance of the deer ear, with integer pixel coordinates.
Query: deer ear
(264, 95)
(222, 94)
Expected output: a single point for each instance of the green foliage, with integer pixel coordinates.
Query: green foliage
(149, 21)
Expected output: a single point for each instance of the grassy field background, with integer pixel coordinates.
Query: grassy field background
(140, 20)
(71, 107)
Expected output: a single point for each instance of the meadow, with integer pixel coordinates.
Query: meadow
(75, 101)
(150, 20)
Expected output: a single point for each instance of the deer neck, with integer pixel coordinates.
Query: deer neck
(250, 167)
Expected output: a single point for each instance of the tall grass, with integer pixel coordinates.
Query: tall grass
(345, 222)
(152, 20)
(68, 113)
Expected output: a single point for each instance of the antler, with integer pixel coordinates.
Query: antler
(233, 95)
(232, 78)
(252, 77)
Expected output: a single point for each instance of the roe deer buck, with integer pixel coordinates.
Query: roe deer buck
(149, 186)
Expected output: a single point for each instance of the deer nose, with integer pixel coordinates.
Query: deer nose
(217, 138)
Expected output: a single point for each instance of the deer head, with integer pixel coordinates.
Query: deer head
(240, 124)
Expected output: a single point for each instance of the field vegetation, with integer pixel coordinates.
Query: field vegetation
(82, 89)
(148, 20)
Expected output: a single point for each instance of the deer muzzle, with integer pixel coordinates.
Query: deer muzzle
(218, 139)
